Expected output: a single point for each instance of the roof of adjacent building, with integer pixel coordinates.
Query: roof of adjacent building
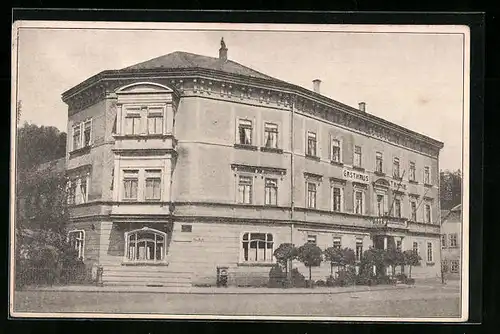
(179, 59)
(456, 211)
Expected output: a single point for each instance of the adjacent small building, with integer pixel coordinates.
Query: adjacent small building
(184, 163)
(451, 241)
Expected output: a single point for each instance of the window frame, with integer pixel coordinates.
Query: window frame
(130, 178)
(249, 240)
(430, 252)
(444, 240)
(453, 240)
(241, 125)
(312, 238)
(275, 188)
(398, 207)
(153, 114)
(427, 220)
(312, 136)
(358, 252)
(412, 171)
(413, 212)
(363, 202)
(427, 175)
(126, 255)
(415, 247)
(341, 195)
(360, 154)
(76, 126)
(309, 192)
(251, 190)
(148, 177)
(84, 124)
(339, 146)
(396, 168)
(452, 265)
(274, 128)
(79, 248)
(379, 156)
(336, 245)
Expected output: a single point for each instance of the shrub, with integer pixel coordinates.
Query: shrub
(298, 280)
(347, 277)
(277, 278)
(320, 283)
(331, 281)
(285, 253)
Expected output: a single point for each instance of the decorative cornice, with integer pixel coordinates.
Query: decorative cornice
(337, 180)
(308, 175)
(261, 92)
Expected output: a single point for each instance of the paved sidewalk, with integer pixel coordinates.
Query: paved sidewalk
(214, 290)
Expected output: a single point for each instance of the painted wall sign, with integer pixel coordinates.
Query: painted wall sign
(355, 176)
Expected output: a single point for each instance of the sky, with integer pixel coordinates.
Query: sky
(414, 80)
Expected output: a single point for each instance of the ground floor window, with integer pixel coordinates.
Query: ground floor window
(76, 239)
(258, 247)
(359, 249)
(145, 245)
(430, 254)
(454, 265)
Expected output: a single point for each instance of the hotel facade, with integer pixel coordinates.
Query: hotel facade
(185, 163)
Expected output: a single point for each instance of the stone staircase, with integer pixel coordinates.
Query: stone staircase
(153, 276)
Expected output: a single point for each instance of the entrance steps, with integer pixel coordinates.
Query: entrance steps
(144, 276)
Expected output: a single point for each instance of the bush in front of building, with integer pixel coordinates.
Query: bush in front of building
(311, 256)
(277, 277)
(298, 280)
(285, 254)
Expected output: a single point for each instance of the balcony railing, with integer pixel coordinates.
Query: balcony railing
(387, 221)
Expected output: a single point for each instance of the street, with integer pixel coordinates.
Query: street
(416, 301)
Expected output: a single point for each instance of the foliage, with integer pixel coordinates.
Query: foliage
(347, 277)
(285, 253)
(372, 257)
(411, 259)
(339, 257)
(298, 280)
(450, 189)
(311, 255)
(36, 145)
(393, 257)
(277, 278)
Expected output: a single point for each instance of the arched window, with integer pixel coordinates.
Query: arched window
(257, 247)
(145, 245)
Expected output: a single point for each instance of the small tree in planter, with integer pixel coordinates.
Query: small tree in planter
(393, 257)
(371, 257)
(285, 253)
(311, 255)
(411, 258)
(333, 256)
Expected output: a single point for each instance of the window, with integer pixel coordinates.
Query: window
(271, 191)
(359, 249)
(412, 171)
(245, 189)
(245, 132)
(155, 121)
(78, 189)
(443, 240)
(454, 266)
(413, 206)
(130, 184)
(453, 240)
(399, 245)
(336, 199)
(77, 137)
(133, 121)
(311, 239)
(311, 195)
(271, 135)
(444, 266)
(72, 193)
(378, 162)
(335, 150)
(311, 144)
(380, 205)
(258, 247)
(186, 228)
(427, 208)
(430, 255)
(145, 245)
(153, 185)
(76, 240)
(358, 202)
(395, 170)
(337, 242)
(427, 175)
(397, 207)
(87, 132)
(357, 156)
(415, 248)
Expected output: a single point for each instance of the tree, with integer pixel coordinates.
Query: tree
(372, 257)
(311, 255)
(450, 189)
(36, 145)
(411, 258)
(339, 257)
(285, 253)
(393, 257)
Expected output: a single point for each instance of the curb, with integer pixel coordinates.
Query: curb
(243, 291)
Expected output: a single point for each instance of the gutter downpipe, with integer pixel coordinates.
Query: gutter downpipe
(292, 176)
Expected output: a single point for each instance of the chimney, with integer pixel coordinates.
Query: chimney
(316, 83)
(222, 50)
(362, 106)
